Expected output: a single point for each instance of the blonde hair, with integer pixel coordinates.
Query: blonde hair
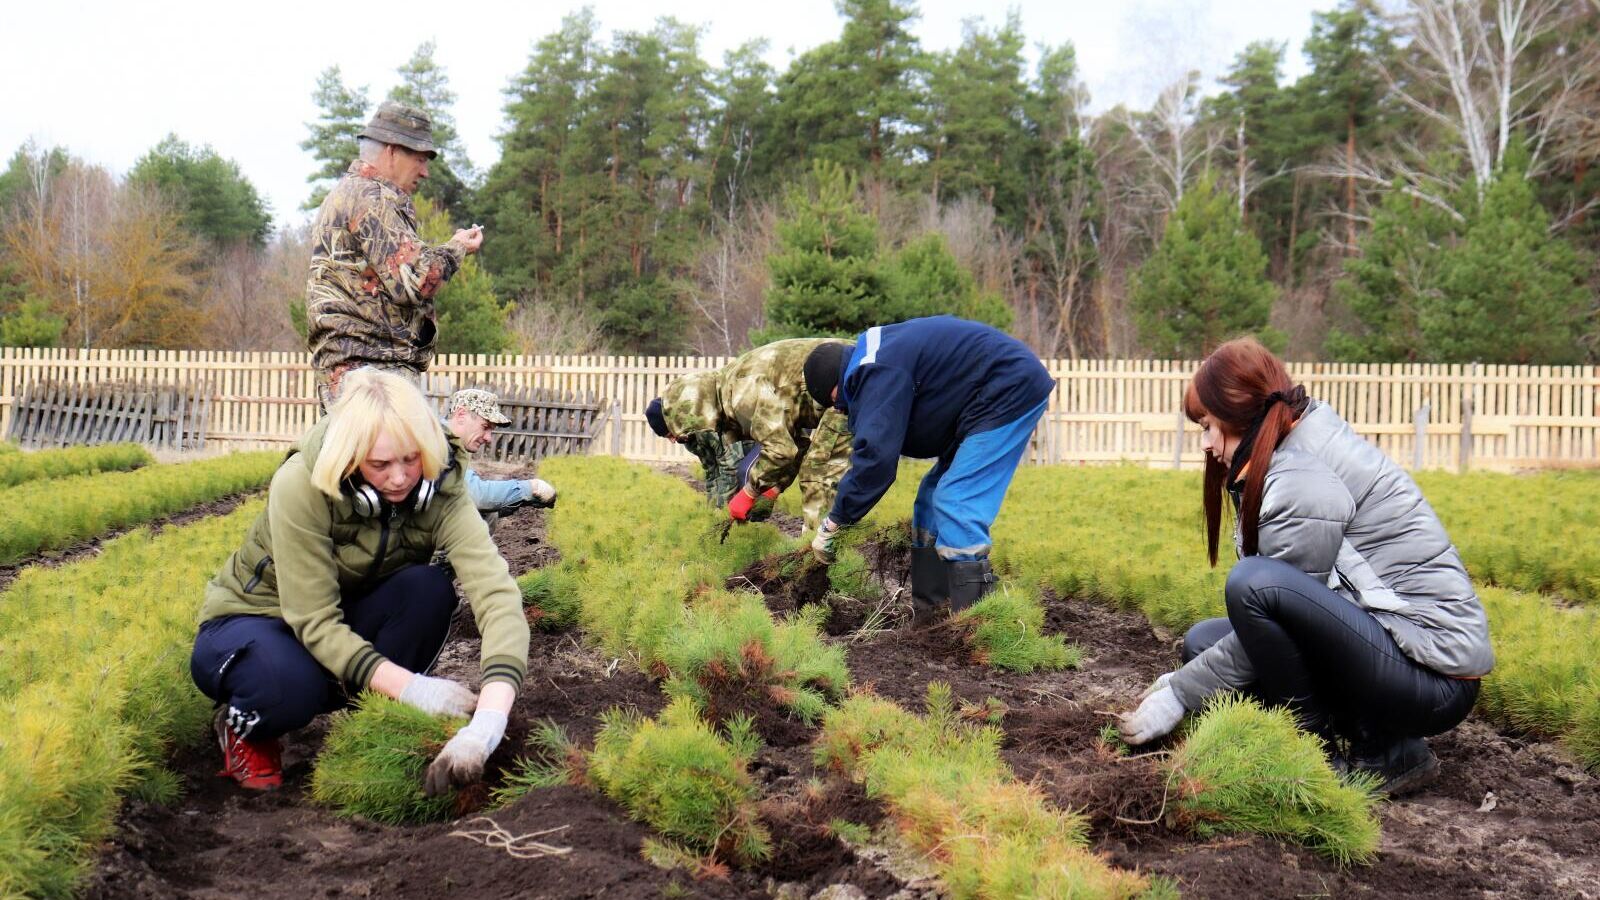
(372, 404)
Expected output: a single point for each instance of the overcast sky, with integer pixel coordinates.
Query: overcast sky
(108, 79)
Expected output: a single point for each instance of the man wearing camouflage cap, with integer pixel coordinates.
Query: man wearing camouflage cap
(369, 298)
(761, 397)
(472, 416)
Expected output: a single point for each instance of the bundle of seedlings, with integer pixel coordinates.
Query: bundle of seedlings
(687, 782)
(1243, 768)
(728, 655)
(1006, 630)
(955, 799)
(374, 758)
(95, 691)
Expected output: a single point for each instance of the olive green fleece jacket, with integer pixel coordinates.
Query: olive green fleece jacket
(308, 549)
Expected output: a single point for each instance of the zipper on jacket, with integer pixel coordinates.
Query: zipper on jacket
(383, 545)
(255, 578)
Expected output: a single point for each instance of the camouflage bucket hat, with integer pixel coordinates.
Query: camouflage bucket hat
(407, 126)
(483, 403)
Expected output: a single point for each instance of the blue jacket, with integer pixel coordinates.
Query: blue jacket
(489, 495)
(918, 389)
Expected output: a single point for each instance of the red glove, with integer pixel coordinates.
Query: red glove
(739, 505)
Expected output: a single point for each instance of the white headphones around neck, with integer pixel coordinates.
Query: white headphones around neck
(369, 504)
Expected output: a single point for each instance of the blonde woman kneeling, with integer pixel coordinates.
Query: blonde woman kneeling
(331, 593)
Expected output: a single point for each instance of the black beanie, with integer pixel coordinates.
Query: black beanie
(823, 367)
(653, 415)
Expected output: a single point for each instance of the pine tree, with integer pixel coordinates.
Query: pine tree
(825, 274)
(849, 101)
(1385, 286)
(1493, 286)
(972, 135)
(332, 141)
(1206, 281)
(471, 318)
(217, 202)
(1509, 290)
(423, 84)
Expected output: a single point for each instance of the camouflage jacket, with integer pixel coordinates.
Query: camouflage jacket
(369, 298)
(760, 396)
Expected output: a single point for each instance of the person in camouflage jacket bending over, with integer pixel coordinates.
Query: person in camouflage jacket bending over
(369, 297)
(760, 397)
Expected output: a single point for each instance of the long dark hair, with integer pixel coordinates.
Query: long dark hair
(1246, 389)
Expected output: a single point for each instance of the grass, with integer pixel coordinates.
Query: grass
(47, 515)
(953, 798)
(15, 468)
(1242, 768)
(95, 690)
(373, 760)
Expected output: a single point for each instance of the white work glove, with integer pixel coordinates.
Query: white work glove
(439, 696)
(461, 761)
(541, 492)
(1160, 683)
(822, 544)
(1156, 716)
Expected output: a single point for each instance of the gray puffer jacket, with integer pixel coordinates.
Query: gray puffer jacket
(1335, 507)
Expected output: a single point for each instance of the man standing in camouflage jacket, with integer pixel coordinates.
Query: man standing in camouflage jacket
(761, 397)
(369, 298)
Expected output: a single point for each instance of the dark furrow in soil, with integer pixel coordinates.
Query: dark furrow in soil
(51, 558)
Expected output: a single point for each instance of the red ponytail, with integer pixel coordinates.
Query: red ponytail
(1246, 389)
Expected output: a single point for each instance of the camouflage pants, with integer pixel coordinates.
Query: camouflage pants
(823, 466)
(328, 382)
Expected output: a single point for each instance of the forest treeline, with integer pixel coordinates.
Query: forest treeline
(1425, 192)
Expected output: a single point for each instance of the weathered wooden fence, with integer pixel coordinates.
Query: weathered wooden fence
(169, 416)
(1424, 416)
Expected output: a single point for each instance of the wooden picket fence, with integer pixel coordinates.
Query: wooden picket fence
(167, 416)
(1423, 416)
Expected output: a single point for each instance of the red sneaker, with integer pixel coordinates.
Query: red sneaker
(256, 765)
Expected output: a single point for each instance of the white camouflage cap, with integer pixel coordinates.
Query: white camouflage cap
(481, 402)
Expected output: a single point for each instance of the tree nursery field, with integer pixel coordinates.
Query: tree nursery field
(710, 712)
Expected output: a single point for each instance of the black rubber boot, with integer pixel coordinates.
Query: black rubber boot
(970, 579)
(930, 585)
(1402, 765)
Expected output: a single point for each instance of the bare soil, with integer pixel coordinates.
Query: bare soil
(1509, 817)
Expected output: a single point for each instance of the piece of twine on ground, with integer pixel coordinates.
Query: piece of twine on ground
(518, 846)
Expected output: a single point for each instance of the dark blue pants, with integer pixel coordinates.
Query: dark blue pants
(1328, 659)
(271, 682)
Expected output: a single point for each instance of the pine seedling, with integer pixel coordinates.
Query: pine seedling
(1006, 630)
(16, 468)
(374, 758)
(954, 798)
(555, 760)
(728, 644)
(1248, 769)
(677, 775)
(1584, 738)
(553, 591)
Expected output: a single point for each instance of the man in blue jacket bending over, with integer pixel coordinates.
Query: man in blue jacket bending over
(942, 387)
